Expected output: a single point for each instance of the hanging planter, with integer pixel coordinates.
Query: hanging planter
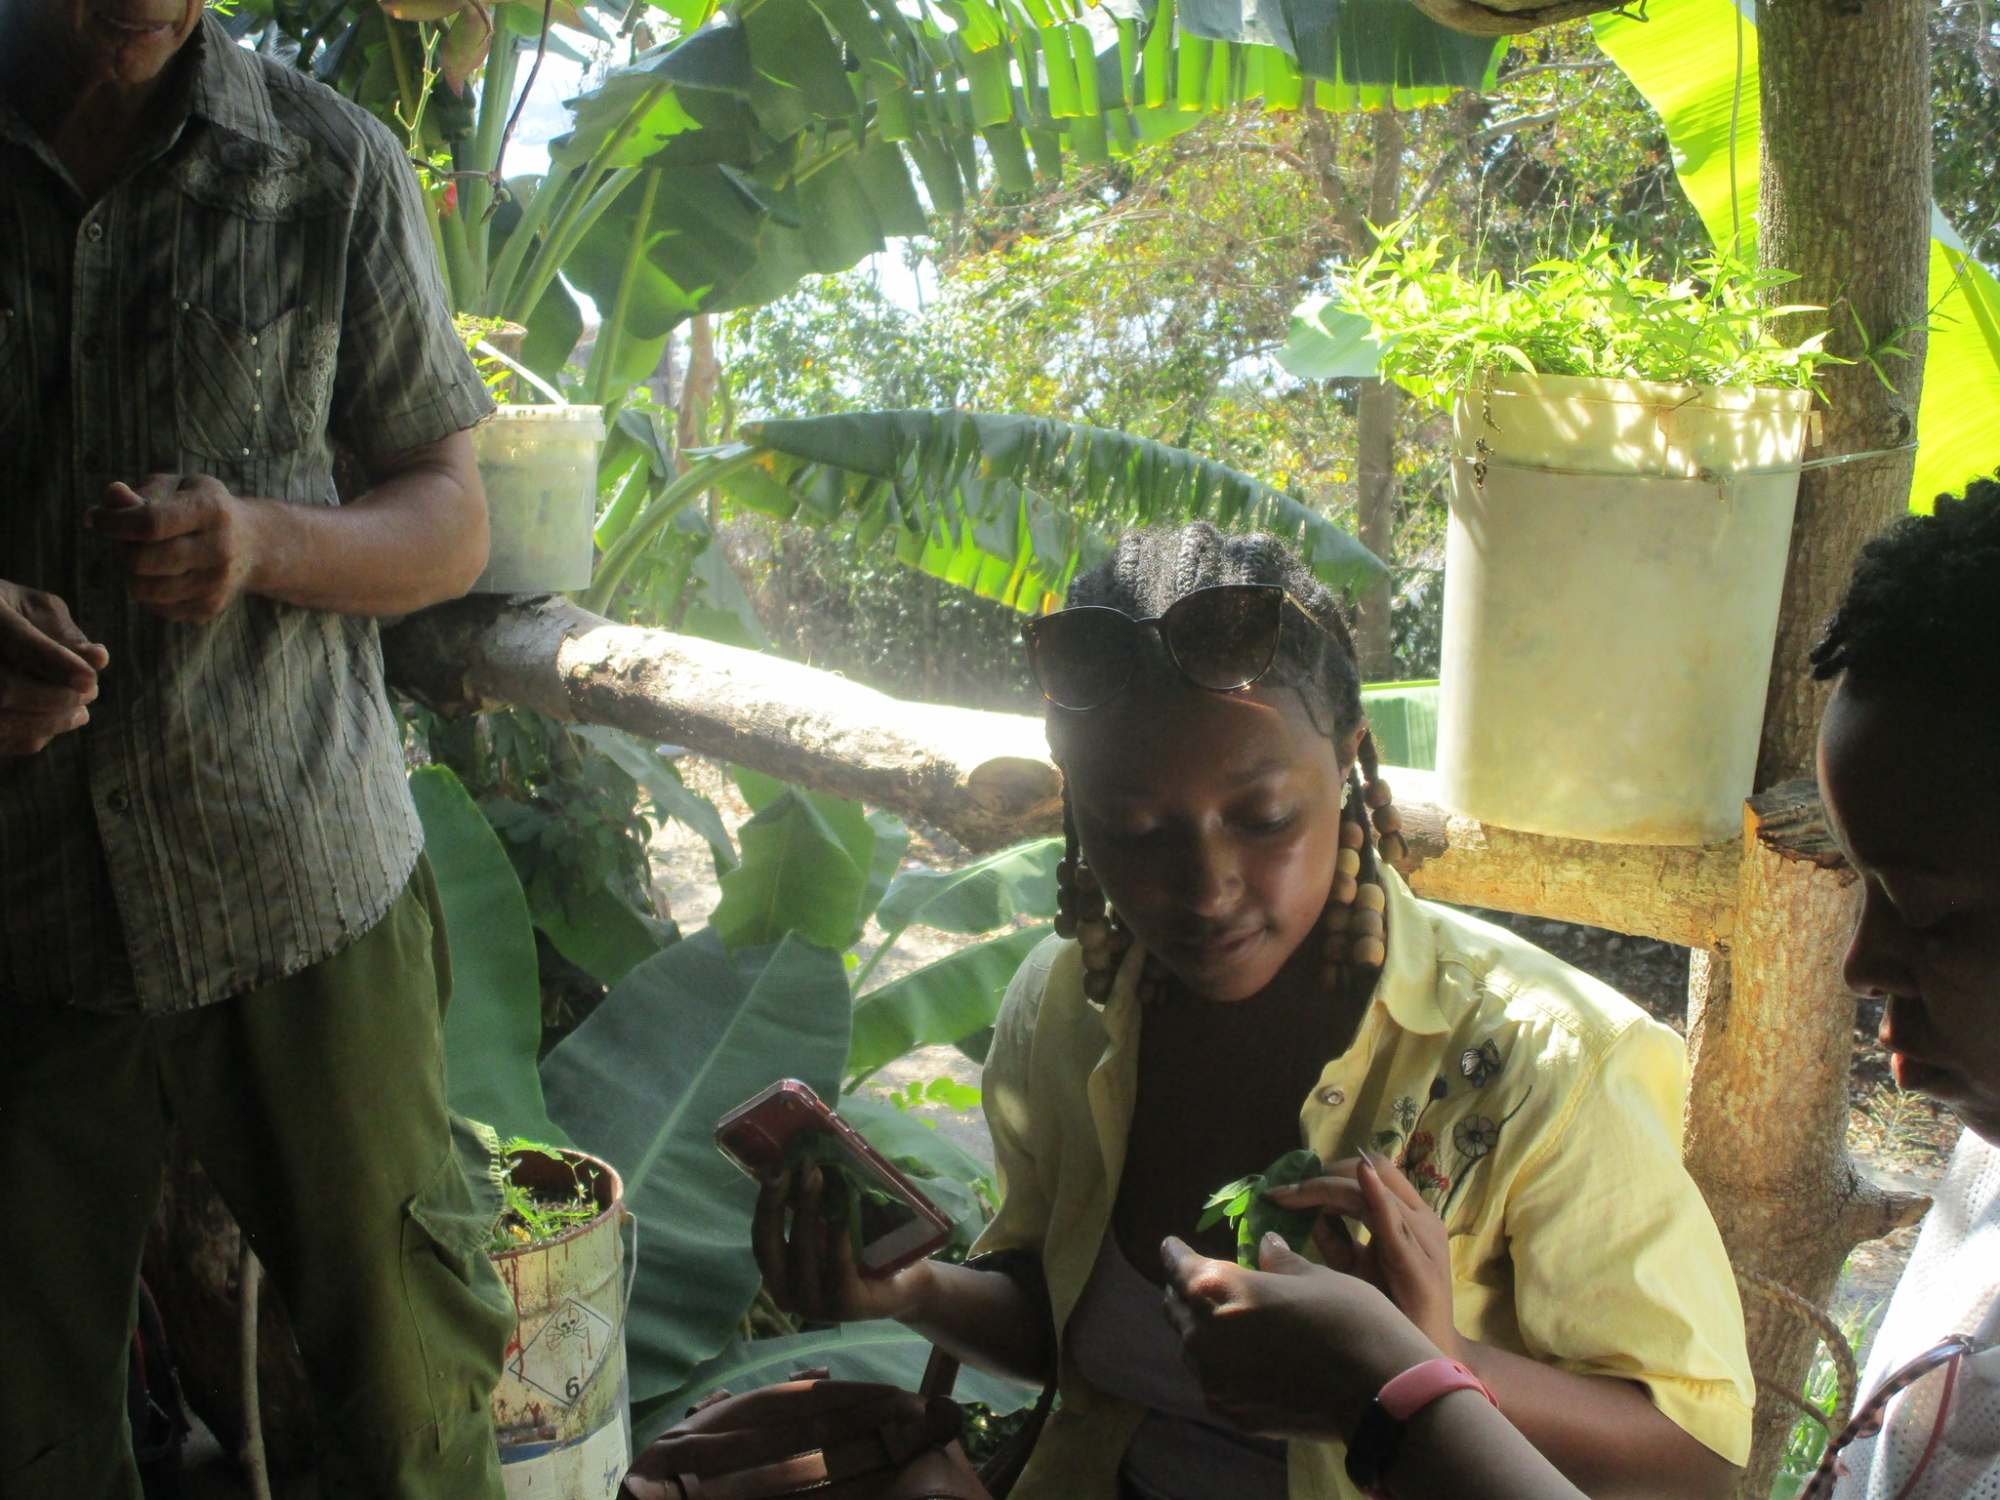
(1625, 464)
(539, 467)
(562, 1410)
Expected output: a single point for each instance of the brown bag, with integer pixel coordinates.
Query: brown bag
(839, 1439)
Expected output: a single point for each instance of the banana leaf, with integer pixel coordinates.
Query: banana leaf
(1010, 506)
(943, 1002)
(796, 876)
(493, 1026)
(689, 1035)
(1017, 881)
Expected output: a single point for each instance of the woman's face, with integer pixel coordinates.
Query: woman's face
(1212, 820)
(1915, 803)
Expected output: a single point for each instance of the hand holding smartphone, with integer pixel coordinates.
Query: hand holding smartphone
(890, 1223)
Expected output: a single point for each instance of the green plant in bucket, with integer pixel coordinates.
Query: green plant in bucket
(1600, 311)
(1243, 1203)
(528, 1217)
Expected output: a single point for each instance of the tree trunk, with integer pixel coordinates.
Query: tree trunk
(1770, 1036)
(1375, 504)
(1845, 201)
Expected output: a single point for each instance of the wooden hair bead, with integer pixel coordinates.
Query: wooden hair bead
(1348, 862)
(1376, 793)
(1336, 918)
(1368, 951)
(1393, 848)
(1370, 897)
(1334, 976)
(1388, 820)
(1065, 872)
(1086, 880)
(1066, 924)
(1366, 924)
(1097, 984)
(1352, 834)
(1334, 950)
(1344, 887)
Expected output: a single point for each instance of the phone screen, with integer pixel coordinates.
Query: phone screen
(889, 1225)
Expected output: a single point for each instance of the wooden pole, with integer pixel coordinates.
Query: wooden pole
(1770, 1039)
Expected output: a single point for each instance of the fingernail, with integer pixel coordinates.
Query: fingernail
(1274, 1240)
(80, 718)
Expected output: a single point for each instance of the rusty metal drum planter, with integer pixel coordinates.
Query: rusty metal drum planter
(562, 1410)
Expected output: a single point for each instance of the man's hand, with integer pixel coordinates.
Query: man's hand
(1408, 1254)
(48, 670)
(1294, 1350)
(188, 546)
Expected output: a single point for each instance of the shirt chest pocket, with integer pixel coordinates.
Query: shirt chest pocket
(241, 392)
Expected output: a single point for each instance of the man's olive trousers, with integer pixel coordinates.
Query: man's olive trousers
(317, 1106)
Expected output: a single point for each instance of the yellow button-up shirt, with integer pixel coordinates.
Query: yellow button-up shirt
(1537, 1110)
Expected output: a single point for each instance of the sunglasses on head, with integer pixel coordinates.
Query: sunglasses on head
(1221, 638)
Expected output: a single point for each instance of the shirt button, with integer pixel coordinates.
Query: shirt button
(1333, 1096)
(93, 231)
(118, 800)
(253, 344)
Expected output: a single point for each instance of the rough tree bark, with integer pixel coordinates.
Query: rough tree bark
(1844, 201)
(1375, 501)
(982, 777)
(1770, 1038)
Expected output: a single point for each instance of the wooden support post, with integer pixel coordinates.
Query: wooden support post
(1770, 1034)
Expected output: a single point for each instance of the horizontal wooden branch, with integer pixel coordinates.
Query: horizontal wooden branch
(985, 778)
(1675, 893)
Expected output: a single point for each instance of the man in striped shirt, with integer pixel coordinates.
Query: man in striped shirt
(213, 910)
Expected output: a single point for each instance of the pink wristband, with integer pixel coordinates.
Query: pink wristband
(1420, 1385)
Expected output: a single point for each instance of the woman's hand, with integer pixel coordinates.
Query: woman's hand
(1294, 1350)
(1408, 1254)
(811, 1273)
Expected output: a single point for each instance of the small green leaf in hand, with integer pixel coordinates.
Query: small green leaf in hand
(1245, 1205)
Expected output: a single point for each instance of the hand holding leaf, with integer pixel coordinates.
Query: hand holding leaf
(1245, 1204)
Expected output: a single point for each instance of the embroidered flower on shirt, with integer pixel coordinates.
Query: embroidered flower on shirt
(1417, 1165)
(1405, 1111)
(1474, 1136)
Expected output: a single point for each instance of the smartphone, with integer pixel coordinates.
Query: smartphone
(899, 1225)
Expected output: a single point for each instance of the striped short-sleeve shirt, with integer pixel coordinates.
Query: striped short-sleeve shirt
(260, 289)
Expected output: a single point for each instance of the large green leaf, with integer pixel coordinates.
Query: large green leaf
(942, 1002)
(600, 933)
(1009, 505)
(880, 1352)
(493, 1028)
(1696, 62)
(686, 1038)
(1017, 881)
(663, 784)
(875, 840)
(1327, 342)
(796, 876)
(1386, 51)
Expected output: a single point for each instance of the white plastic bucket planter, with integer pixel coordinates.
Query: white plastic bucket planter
(562, 1410)
(539, 464)
(1613, 571)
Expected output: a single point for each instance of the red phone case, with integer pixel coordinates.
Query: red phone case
(755, 1135)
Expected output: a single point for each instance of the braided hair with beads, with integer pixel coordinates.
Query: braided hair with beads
(1145, 575)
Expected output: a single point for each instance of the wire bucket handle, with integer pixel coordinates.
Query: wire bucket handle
(487, 349)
